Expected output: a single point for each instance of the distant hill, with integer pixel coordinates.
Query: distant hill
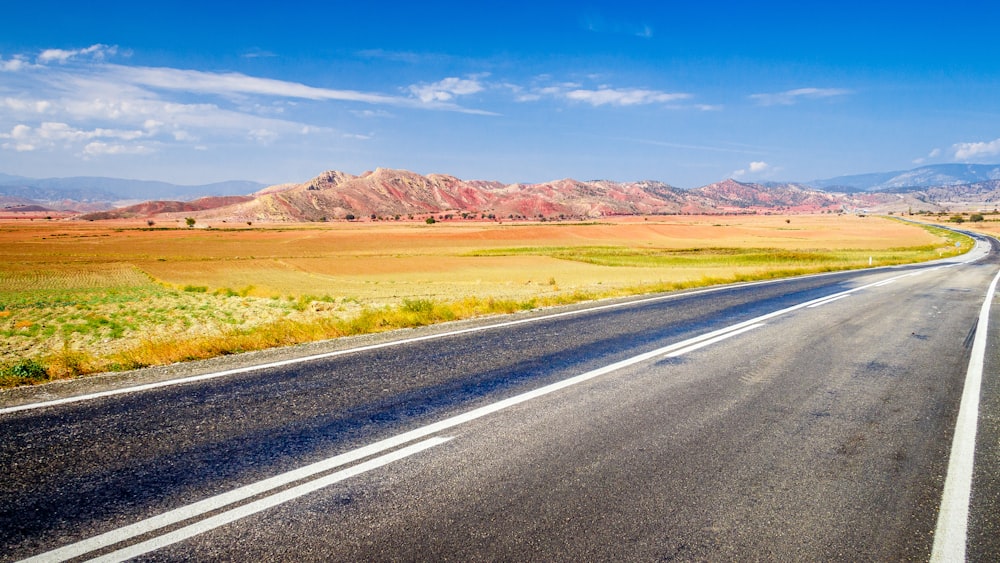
(156, 208)
(90, 193)
(904, 180)
(387, 193)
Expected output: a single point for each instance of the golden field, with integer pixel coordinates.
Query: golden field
(79, 297)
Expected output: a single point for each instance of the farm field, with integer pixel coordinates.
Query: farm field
(80, 297)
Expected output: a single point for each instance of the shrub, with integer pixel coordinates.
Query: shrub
(23, 371)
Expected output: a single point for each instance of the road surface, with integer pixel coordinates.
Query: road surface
(802, 419)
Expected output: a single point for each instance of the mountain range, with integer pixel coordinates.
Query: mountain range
(388, 193)
(910, 180)
(86, 193)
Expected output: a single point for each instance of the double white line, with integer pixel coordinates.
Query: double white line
(262, 487)
(307, 476)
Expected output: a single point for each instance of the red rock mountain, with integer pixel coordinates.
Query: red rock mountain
(386, 193)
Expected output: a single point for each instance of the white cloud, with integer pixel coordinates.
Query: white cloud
(606, 95)
(257, 53)
(432, 96)
(54, 134)
(26, 106)
(446, 90)
(624, 96)
(973, 151)
(229, 83)
(369, 113)
(74, 101)
(13, 65)
(100, 148)
(933, 154)
(791, 97)
(264, 136)
(97, 51)
(756, 167)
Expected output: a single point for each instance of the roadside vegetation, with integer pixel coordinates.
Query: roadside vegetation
(97, 299)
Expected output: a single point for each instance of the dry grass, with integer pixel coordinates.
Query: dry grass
(86, 297)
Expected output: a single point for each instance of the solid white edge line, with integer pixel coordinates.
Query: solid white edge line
(393, 343)
(293, 361)
(950, 535)
(213, 503)
(265, 503)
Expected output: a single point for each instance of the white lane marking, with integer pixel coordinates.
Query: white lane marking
(950, 536)
(886, 282)
(711, 341)
(293, 361)
(247, 491)
(831, 300)
(263, 504)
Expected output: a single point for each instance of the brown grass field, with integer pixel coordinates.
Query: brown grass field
(79, 297)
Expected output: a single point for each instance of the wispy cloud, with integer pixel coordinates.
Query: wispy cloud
(100, 148)
(754, 168)
(257, 53)
(24, 138)
(604, 95)
(600, 24)
(624, 96)
(235, 83)
(14, 64)
(791, 97)
(76, 100)
(977, 150)
(933, 154)
(447, 89)
(97, 51)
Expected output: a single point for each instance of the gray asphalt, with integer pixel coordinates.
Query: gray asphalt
(822, 435)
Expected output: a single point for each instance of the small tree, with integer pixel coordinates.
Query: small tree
(190, 221)
(430, 221)
(976, 217)
(150, 222)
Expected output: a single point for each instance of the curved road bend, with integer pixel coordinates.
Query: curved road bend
(802, 419)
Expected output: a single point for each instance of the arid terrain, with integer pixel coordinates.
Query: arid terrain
(80, 297)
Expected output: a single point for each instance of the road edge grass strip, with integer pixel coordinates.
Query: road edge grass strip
(68, 363)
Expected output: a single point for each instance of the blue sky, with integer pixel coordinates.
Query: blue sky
(683, 92)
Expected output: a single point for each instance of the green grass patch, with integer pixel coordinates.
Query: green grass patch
(112, 318)
(720, 257)
(22, 372)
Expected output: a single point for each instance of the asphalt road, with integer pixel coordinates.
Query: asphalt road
(805, 419)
